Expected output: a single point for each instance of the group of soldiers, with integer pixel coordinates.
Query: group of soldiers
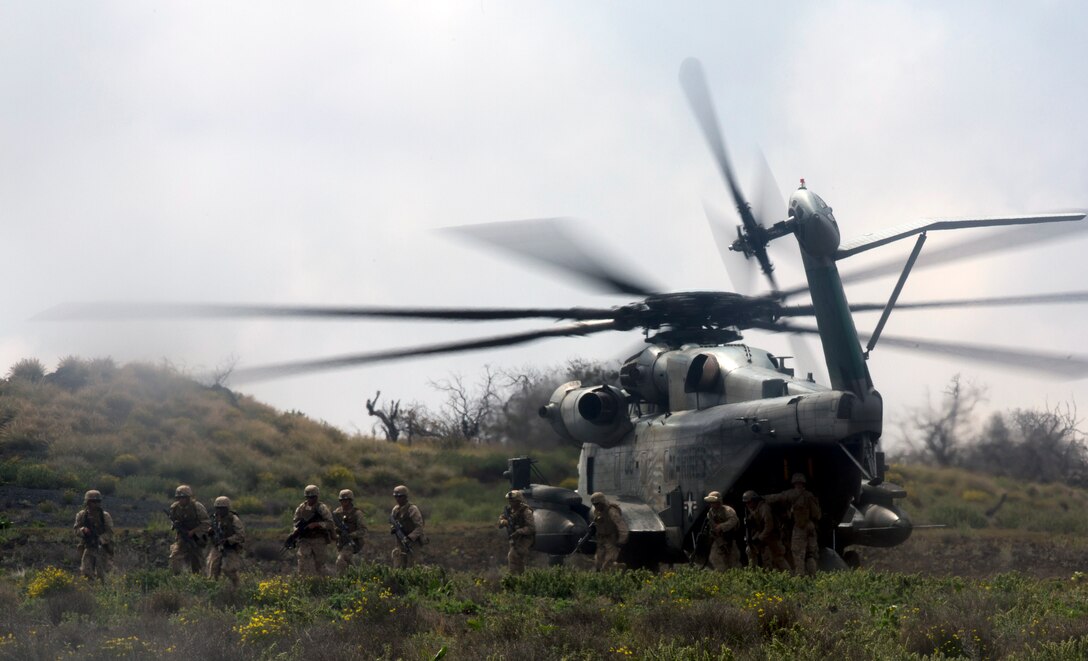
(214, 544)
(763, 531)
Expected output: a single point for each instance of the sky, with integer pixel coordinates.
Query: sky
(309, 153)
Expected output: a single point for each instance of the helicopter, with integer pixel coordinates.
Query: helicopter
(698, 409)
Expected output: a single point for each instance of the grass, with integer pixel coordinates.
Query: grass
(552, 613)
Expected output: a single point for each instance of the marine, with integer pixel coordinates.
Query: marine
(765, 544)
(406, 524)
(722, 522)
(313, 521)
(611, 532)
(229, 539)
(350, 528)
(94, 527)
(803, 507)
(517, 518)
(191, 527)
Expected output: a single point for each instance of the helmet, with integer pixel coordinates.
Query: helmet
(400, 490)
(222, 501)
(750, 496)
(598, 499)
(713, 497)
(515, 496)
(346, 494)
(93, 495)
(183, 490)
(798, 477)
(311, 490)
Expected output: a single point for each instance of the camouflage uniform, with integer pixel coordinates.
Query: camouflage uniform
(519, 522)
(226, 556)
(312, 541)
(611, 532)
(411, 521)
(722, 521)
(352, 519)
(804, 508)
(94, 527)
(190, 517)
(765, 541)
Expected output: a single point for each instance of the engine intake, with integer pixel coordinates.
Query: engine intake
(588, 415)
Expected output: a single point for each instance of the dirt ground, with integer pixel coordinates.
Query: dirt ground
(40, 520)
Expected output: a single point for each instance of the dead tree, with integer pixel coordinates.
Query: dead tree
(465, 413)
(387, 417)
(942, 430)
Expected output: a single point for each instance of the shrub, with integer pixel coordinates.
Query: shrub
(29, 370)
(126, 464)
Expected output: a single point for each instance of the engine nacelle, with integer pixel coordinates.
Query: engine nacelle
(596, 414)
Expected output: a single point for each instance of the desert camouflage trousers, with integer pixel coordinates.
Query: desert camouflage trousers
(804, 549)
(724, 554)
(772, 555)
(227, 562)
(184, 553)
(518, 555)
(311, 556)
(95, 563)
(401, 560)
(345, 557)
(608, 552)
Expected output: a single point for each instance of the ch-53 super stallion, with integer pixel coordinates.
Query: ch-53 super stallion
(697, 409)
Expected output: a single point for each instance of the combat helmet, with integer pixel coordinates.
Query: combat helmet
(311, 490)
(346, 494)
(400, 490)
(94, 495)
(750, 496)
(598, 498)
(515, 496)
(713, 497)
(183, 490)
(222, 501)
(798, 477)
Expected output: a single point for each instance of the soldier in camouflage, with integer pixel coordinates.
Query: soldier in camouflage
(191, 529)
(94, 527)
(765, 540)
(410, 520)
(229, 535)
(803, 508)
(518, 521)
(350, 530)
(722, 522)
(314, 521)
(611, 532)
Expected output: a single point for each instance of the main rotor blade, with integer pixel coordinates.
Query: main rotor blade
(1068, 365)
(264, 372)
(552, 242)
(997, 301)
(693, 80)
(157, 311)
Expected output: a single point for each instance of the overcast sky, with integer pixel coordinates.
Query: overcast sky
(307, 152)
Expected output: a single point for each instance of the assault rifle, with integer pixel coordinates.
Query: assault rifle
(585, 538)
(218, 538)
(508, 516)
(91, 539)
(345, 538)
(402, 537)
(300, 525)
(182, 532)
(704, 531)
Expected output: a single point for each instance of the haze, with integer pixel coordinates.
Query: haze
(288, 153)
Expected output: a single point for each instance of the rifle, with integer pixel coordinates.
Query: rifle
(345, 538)
(91, 539)
(292, 539)
(508, 515)
(217, 533)
(703, 531)
(402, 536)
(585, 538)
(182, 532)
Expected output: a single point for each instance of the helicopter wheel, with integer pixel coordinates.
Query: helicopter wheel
(852, 559)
